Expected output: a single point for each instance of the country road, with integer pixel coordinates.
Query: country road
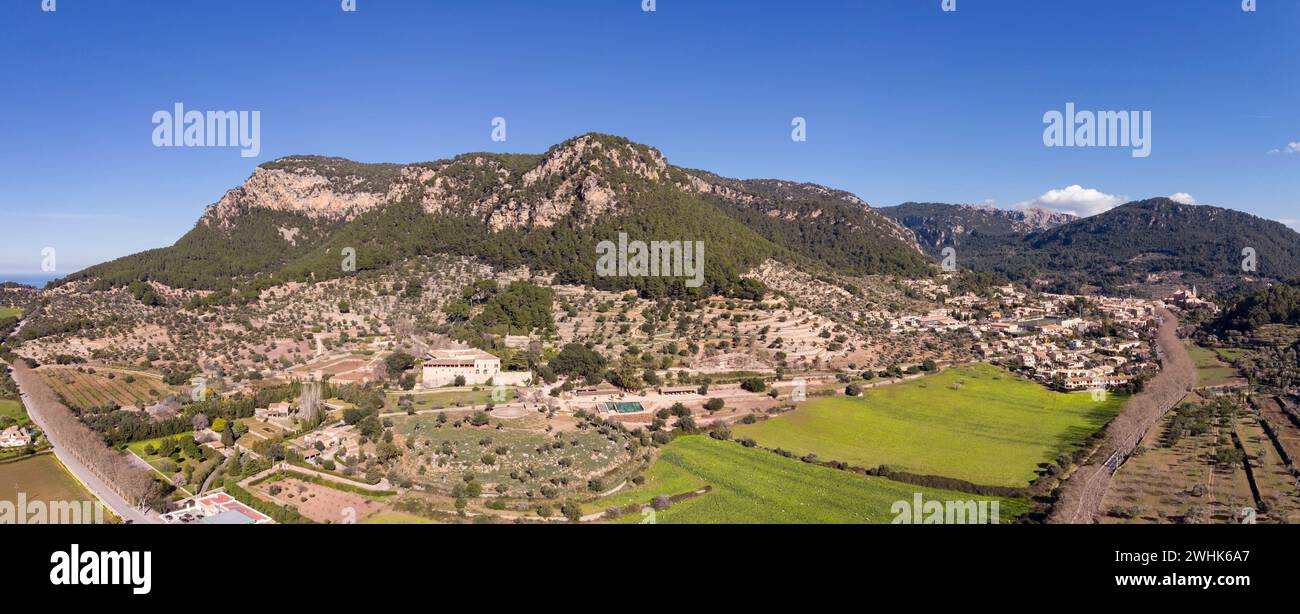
(38, 405)
(1081, 494)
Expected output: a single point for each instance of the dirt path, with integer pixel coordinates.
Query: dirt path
(1082, 493)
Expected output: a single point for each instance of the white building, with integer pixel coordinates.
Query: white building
(15, 437)
(274, 410)
(442, 367)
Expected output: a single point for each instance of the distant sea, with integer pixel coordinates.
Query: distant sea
(33, 279)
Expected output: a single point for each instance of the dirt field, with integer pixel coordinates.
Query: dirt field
(41, 478)
(1277, 487)
(320, 503)
(1288, 433)
(86, 390)
(1160, 484)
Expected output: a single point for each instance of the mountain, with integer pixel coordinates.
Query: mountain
(293, 217)
(978, 227)
(1142, 244)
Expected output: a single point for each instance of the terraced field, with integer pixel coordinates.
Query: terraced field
(749, 485)
(976, 423)
(86, 390)
(1277, 487)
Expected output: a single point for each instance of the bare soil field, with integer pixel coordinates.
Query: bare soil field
(84, 390)
(318, 502)
(1288, 433)
(1277, 487)
(1160, 485)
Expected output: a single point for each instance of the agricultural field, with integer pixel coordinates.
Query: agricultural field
(41, 478)
(526, 455)
(449, 398)
(975, 422)
(84, 390)
(1270, 409)
(13, 409)
(320, 502)
(1230, 355)
(748, 485)
(1211, 370)
(1163, 483)
(1279, 490)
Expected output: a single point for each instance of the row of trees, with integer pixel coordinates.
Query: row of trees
(134, 484)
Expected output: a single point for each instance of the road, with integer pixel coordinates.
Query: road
(27, 379)
(1082, 492)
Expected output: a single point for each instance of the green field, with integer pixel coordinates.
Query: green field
(41, 478)
(976, 423)
(451, 398)
(1210, 370)
(13, 409)
(394, 517)
(1229, 355)
(6, 312)
(749, 485)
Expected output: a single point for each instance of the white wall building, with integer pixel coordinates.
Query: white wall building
(441, 367)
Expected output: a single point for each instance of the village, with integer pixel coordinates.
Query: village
(731, 364)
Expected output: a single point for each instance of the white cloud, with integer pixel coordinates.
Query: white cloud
(1183, 197)
(1292, 147)
(1075, 200)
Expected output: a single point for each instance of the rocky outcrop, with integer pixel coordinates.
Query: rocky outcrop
(294, 191)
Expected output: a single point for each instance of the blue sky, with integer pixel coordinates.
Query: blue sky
(903, 101)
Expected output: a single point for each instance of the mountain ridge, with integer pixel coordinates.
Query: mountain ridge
(512, 209)
(1140, 244)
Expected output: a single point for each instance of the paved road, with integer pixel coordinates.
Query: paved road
(26, 379)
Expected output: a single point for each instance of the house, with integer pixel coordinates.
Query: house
(328, 437)
(442, 367)
(675, 390)
(274, 410)
(15, 437)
